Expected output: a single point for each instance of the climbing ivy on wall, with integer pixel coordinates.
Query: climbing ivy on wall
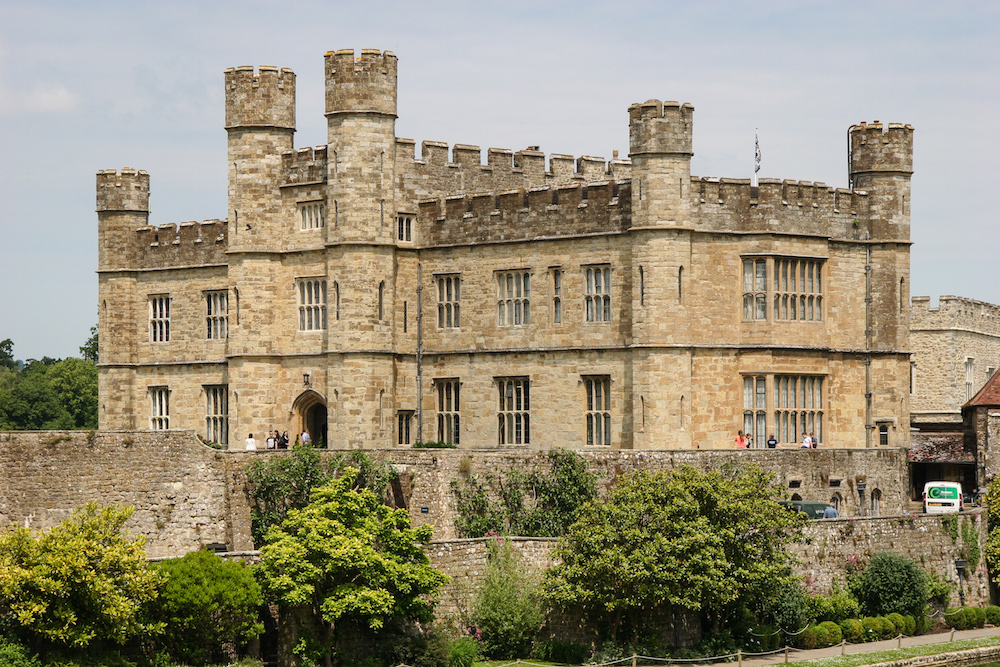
(537, 503)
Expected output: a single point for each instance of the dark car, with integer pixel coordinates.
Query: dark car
(811, 510)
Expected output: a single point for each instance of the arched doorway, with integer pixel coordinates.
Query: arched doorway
(310, 408)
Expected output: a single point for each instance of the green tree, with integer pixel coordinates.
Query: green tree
(206, 602)
(80, 582)
(347, 557)
(507, 608)
(7, 354)
(891, 584)
(676, 540)
(73, 382)
(89, 349)
(542, 502)
(277, 484)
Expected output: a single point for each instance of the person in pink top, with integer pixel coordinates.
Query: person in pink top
(741, 440)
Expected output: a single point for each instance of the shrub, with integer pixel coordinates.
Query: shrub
(834, 635)
(924, 624)
(822, 636)
(909, 625)
(464, 651)
(569, 653)
(958, 618)
(890, 583)
(898, 622)
(206, 602)
(508, 607)
(887, 627)
(763, 638)
(939, 588)
(790, 607)
(432, 650)
(873, 629)
(993, 615)
(853, 630)
(13, 654)
(808, 638)
(978, 615)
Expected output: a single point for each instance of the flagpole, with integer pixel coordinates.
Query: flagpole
(756, 157)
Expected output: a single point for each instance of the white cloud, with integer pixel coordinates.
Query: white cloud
(49, 98)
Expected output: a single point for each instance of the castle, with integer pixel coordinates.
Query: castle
(373, 298)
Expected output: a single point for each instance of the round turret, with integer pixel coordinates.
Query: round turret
(660, 127)
(366, 84)
(879, 148)
(127, 190)
(262, 99)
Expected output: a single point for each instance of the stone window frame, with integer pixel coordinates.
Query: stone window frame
(597, 293)
(312, 295)
(782, 288)
(312, 215)
(513, 410)
(404, 427)
(556, 274)
(597, 410)
(159, 404)
(449, 409)
(513, 288)
(791, 418)
(159, 318)
(755, 409)
(216, 314)
(217, 413)
(449, 296)
(404, 227)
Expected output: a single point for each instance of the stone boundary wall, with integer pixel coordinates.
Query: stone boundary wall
(972, 656)
(176, 484)
(827, 552)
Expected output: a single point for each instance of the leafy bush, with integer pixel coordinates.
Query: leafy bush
(958, 618)
(808, 638)
(434, 445)
(834, 635)
(890, 583)
(888, 628)
(924, 624)
(822, 636)
(853, 631)
(507, 608)
(837, 607)
(978, 616)
(898, 622)
(206, 602)
(569, 653)
(790, 607)
(939, 588)
(432, 649)
(13, 654)
(993, 615)
(873, 629)
(464, 651)
(909, 626)
(81, 582)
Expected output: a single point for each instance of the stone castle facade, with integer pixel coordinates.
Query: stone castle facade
(372, 296)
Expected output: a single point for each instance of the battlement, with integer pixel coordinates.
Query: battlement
(661, 127)
(530, 163)
(881, 148)
(125, 190)
(303, 166)
(525, 214)
(779, 205)
(189, 243)
(954, 312)
(265, 98)
(366, 84)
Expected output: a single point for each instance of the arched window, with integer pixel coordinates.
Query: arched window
(876, 501)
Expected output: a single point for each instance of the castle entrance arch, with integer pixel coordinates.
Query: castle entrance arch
(310, 411)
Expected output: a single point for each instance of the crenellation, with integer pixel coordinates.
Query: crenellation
(466, 155)
(562, 166)
(304, 166)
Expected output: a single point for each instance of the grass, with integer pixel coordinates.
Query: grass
(897, 653)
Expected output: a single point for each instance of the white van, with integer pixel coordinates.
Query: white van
(943, 497)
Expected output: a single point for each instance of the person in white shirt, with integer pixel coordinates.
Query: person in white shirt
(251, 443)
(807, 442)
(305, 438)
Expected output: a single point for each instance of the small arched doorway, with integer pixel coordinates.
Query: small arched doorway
(310, 408)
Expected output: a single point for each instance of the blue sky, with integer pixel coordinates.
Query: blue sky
(100, 85)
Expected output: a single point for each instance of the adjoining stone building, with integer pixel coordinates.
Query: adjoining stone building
(956, 350)
(366, 294)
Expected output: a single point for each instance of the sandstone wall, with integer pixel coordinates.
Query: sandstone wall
(176, 484)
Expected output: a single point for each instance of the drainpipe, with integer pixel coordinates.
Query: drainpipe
(868, 341)
(420, 354)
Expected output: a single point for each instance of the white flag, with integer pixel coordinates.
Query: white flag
(756, 159)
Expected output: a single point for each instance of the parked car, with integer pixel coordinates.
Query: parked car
(811, 510)
(943, 497)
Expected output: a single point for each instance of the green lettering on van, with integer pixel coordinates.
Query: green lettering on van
(943, 493)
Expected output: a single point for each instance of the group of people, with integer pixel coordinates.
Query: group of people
(745, 441)
(275, 440)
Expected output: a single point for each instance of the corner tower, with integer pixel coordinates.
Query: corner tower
(660, 145)
(260, 122)
(881, 162)
(122, 208)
